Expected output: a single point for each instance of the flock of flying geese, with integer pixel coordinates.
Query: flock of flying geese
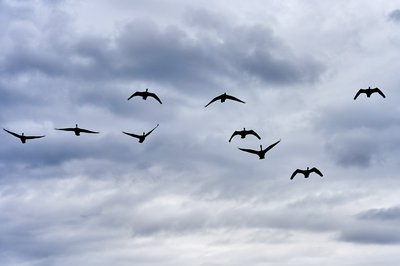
(223, 97)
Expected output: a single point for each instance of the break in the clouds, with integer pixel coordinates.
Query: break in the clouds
(188, 196)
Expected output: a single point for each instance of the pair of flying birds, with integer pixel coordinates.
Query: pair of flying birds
(77, 131)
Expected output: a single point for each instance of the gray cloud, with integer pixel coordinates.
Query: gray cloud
(395, 15)
(383, 214)
(142, 50)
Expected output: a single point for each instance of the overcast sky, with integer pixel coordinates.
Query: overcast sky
(187, 196)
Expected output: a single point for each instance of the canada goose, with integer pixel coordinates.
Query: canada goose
(22, 137)
(140, 137)
(77, 130)
(145, 94)
(369, 91)
(243, 133)
(306, 172)
(261, 152)
(223, 98)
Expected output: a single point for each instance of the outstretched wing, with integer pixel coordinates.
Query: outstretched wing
(12, 133)
(271, 146)
(66, 129)
(230, 97)
(378, 91)
(249, 150)
(155, 97)
(138, 93)
(148, 133)
(88, 131)
(359, 92)
(213, 100)
(295, 173)
(252, 132)
(234, 134)
(131, 134)
(34, 137)
(316, 171)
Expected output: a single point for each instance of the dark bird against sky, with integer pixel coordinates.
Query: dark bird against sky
(261, 152)
(243, 133)
(369, 91)
(223, 97)
(22, 137)
(145, 94)
(140, 137)
(306, 172)
(77, 130)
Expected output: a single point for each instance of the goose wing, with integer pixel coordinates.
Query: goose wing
(252, 132)
(316, 171)
(249, 150)
(34, 137)
(295, 173)
(234, 134)
(87, 131)
(151, 94)
(131, 134)
(271, 146)
(358, 93)
(138, 93)
(213, 100)
(66, 129)
(12, 133)
(378, 91)
(230, 97)
(148, 133)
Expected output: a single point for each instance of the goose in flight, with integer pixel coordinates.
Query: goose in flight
(243, 133)
(261, 152)
(145, 94)
(22, 137)
(306, 172)
(369, 91)
(77, 130)
(140, 137)
(223, 97)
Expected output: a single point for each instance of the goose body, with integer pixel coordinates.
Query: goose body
(77, 130)
(142, 137)
(306, 172)
(145, 94)
(22, 137)
(223, 97)
(369, 92)
(243, 133)
(261, 153)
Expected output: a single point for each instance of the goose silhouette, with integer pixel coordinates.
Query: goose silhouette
(223, 97)
(243, 133)
(77, 130)
(306, 172)
(141, 138)
(145, 94)
(368, 92)
(261, 153)
(22, 137)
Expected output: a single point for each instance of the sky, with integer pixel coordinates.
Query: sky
(187, 196)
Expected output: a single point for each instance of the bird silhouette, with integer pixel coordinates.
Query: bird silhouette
(306, 172)
(243, 133)
(140, 137)
(369, 91)
(145, 94)
(261, 152)
(223, 97)
(22, 137)
(77, 130)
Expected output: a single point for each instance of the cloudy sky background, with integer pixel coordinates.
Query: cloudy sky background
(186, 196)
